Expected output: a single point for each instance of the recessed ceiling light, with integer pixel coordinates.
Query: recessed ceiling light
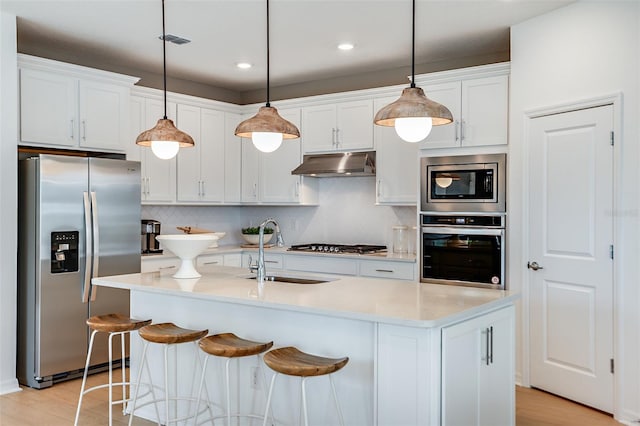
(345, 46)
(243, 65)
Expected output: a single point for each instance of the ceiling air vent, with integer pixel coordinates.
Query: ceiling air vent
(175, 39)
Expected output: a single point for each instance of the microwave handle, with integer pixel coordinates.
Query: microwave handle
(462, 231)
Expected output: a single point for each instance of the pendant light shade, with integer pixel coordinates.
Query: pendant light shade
(413, 114)
(267, 128)
(164, 138)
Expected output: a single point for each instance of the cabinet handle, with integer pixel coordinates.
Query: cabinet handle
(488, 358)
(462, 126)
(457, 128)
(72, 133)
(491, 345)
(255, 190)
(202, 182)
(337, 137)
(384, 270)
(166, 267)
(333, 136)
(84, 130)
(379, 190)
(297, 190)
(148, 185)
(270, 261)
(211, 263)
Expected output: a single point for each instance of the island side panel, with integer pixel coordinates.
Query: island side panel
(317, 334)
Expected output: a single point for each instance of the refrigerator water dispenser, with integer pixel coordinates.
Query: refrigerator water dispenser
(64, 252)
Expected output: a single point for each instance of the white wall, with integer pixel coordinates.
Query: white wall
(582, 51)
(8, 218)
(346, 214)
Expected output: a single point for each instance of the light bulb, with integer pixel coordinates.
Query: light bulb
(165, 150)
(413, 129)
(444, 182)
(266, 141)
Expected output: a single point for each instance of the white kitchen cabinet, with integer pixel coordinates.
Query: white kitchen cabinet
(162, 264)
(267, 178)
(319, 264)
(232, 159)
(343, 126)
(158, 176)
(396, 164)
(62, 110)
(479, 107)
(478, 371)
(272, 261)
(201, 169)
(387, 269)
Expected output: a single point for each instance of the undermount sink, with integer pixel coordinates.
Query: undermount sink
(294, 279)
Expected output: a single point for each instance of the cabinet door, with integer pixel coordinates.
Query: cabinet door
(250, 171)
(478, 383)
(319, 128)
(48, 108)
(277, 184)
(232, 159)
(485, 111)
(396, 165)
(189, 186)
(160, 179)
(212, 155)
(448, 135)
(136, 126)
(355, 125)
(103, 116)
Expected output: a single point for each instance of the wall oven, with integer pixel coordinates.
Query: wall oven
(468, 183)
(463, 250)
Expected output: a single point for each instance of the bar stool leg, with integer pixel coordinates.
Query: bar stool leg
(84, 377)
(124, 375)
(143, 364)
(335, 399)
(304, 402)
(268, 406)
(110, 378)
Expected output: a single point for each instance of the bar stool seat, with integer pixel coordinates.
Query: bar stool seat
(293, 362)
(167, 334)
(114, 324)
(230, 346)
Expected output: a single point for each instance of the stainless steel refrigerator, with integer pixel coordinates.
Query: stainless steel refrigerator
(78, 218)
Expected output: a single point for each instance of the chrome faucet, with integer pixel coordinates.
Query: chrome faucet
(260, 270)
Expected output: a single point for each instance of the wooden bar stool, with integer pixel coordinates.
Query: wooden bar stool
(230, 346)
(169, 335)
(292, 362)
(115, 325)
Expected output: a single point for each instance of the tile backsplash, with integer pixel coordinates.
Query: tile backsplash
(346, 214)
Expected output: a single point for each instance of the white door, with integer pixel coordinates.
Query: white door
(571, 238)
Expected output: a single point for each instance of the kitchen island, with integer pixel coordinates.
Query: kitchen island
(420, 354)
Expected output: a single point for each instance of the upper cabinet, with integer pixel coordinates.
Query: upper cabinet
(267, 178)
(342, 126)
(396, 164)
(480, 112)
(158, 176)
(68, 106)
(201, 170)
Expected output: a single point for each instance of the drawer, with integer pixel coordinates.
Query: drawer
(234, 259)
(271, 261)
(161, 264)
(209, 260)
(385, 269)
(327, 265)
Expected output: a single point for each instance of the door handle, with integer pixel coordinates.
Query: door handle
(534, 266)
(88, 244)
(96, 242)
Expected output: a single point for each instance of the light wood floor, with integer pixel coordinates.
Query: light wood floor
(57, 406)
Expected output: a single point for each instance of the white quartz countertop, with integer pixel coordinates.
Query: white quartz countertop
(368, 299)
(389, 255)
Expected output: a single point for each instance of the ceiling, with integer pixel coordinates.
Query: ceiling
(122, 36)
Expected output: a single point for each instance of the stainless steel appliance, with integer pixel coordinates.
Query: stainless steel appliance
(469, 183)
(463, 250)
(78, 218)
(150, 229)
(339, 248)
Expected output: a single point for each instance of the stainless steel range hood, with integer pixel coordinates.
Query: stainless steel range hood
(339, 164)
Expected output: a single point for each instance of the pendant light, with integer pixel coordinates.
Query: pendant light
(164, 138)
(413, 114)
(267, 129)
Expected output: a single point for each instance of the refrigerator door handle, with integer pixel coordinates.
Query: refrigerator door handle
(96, 242)
(88, 244)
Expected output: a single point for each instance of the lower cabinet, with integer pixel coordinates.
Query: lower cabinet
(478, 371)
(459, 375)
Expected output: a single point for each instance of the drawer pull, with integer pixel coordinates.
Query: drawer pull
(215, 262)
(384, 270)
(271, 261)
(167, 267)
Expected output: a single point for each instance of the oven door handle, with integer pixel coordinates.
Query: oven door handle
(462, 231)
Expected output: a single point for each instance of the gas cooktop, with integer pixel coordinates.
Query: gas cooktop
(339, 248)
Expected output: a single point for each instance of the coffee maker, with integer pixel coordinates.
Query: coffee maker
(150, 229)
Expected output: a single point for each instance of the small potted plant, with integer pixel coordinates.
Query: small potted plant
(252, 234)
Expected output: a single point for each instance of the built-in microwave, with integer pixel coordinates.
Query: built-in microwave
(465, 183)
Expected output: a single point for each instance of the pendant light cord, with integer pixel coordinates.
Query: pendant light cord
(268, 55)
(413, 46)
(164, 62)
